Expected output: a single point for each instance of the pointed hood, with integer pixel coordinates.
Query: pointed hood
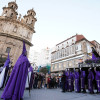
(6, 64)
(24, 49)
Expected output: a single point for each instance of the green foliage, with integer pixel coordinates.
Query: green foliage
(44, 70)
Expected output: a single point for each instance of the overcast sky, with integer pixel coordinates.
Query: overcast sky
(58, 20)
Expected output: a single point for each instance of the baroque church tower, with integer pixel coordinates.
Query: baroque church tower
(14, 29)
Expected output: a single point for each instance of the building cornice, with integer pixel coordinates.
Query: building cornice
(65, 40)
(17, 38)
(18, 22)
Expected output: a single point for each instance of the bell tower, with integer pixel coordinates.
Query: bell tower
(10, 11)
(30, 18)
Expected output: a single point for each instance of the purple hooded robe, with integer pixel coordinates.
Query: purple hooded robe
(97, 77)
(90, 81)
(70, 81)
(82, 76)
(77, 81)
(14, 89)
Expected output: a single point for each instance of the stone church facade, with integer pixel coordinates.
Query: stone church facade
(14, 29)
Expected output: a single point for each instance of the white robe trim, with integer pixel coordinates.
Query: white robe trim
(27, 83)
(2, 77)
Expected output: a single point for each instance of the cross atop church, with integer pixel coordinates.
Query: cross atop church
(15, 1)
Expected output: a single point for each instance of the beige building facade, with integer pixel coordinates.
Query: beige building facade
(68, 53)
(14, 29)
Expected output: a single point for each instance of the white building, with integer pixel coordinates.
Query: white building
(42, 58)
(67, 53)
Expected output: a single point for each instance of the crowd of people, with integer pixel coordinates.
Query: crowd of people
(79, 80)
(41, 80)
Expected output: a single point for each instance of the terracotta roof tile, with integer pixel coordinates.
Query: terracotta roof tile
(93, 42)
(79, 37)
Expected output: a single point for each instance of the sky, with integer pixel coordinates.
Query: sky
(58, 20)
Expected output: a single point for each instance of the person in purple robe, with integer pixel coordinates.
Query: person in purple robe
(90, 81)
(14, 89)
(97, 78)
(70, 82)
(77, 80)
(66, 84)
(82, 76)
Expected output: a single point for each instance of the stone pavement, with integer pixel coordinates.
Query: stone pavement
(56, 94)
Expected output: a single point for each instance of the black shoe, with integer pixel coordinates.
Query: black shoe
(83, 91)
(63, 91)
(91, 92)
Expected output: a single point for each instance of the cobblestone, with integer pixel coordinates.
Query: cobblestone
(56, 94)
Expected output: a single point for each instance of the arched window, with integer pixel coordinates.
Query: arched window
(6, 11)
(8, 49)
(32, 22)
(11, 14)
(12, 6)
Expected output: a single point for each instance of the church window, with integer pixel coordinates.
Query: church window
(32, 22)
(8, 49)
(6, 11)
(11, 14)
(12, 6)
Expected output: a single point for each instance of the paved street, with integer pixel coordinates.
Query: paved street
(56, 94)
